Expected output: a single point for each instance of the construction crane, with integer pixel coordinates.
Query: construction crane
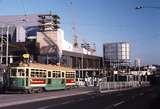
(75, 37)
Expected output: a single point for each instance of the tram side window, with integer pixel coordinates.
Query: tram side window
(49, 74)
(54, 75)
(58, 74)
(32, 74)
(70, 75)
(13, 72)
(44, 74)
(73, 75)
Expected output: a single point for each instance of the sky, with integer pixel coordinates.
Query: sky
(102, 21)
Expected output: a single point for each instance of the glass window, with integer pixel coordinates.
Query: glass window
(53, 75)
(20, 72)
(58, 74)
(49, 74)
(44, 74)
(13, 72)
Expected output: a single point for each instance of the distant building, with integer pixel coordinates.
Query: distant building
(116, 54)
(137, 62)
(34, 34)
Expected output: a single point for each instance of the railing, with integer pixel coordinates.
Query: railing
(106, 86)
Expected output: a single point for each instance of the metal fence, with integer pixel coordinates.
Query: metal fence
(105, 86)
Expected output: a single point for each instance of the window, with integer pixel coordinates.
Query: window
(58, 74)
(38, 73)
(49, 74)
(21, 72)
(53, 75)
(70, 75)
(13, 72)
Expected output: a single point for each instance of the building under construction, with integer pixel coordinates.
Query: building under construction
(41, 37)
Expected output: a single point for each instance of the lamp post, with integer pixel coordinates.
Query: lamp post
(7, 45)
(1, 61)
(141, 7)
(82, 46)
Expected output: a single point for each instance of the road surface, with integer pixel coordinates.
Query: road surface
(141, 98)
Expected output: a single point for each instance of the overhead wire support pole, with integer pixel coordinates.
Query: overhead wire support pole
(1, 61)
(75, 37)
(7, 45)
(153, 7)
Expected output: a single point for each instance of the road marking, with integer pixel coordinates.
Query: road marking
(119, 103)
(45, 107)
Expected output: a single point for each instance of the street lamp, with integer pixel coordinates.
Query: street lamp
(1, 45)
(7, 45)
(82, 46)
(141, 7)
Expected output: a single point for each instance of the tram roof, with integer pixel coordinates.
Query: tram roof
(46, 66)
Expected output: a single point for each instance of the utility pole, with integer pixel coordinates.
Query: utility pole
(1, 46)
(82, 46)
(82, 62)
(7, 45)
(75, 37)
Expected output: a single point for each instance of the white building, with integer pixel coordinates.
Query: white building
(116, 53)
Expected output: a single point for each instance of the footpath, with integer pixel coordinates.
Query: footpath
(15, 99)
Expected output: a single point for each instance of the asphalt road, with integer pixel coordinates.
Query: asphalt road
(142, 98)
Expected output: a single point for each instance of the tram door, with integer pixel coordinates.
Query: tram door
(27, 75)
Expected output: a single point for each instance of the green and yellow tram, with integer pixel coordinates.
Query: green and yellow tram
(40, 77)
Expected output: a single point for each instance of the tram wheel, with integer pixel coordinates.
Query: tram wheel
(40, 90)
(30, 91)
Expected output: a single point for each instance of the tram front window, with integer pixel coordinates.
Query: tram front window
(20, 72)
(13, 72)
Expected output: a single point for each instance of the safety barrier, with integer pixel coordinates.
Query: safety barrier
(105, 85)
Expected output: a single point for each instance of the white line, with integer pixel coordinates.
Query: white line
(45, 107)
(119, 103)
